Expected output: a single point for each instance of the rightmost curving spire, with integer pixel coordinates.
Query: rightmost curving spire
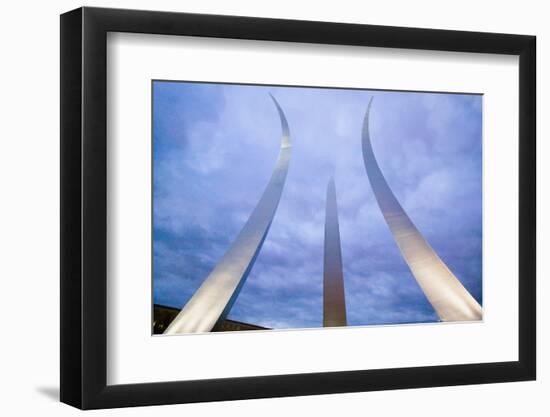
(450, 300)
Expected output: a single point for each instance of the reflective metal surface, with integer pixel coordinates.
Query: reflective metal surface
(334, 300)
(449, 298)
(215, 297)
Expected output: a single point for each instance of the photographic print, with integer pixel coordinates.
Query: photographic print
(285, 207)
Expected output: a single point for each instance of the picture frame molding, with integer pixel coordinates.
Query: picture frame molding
(83, 154)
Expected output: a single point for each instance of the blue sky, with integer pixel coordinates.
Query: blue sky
(214, 149)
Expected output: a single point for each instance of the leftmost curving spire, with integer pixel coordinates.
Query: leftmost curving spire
(213, 300)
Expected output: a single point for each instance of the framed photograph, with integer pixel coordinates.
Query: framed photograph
(257, 208)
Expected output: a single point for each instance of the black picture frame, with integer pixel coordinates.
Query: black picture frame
(84, 207)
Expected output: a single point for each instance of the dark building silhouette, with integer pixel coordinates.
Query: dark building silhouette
(163, 316)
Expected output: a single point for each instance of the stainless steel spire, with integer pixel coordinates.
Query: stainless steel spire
(217, 294)
(449, 298)
(334, 300)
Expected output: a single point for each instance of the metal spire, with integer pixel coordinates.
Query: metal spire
(449, 298)
(217, 294)
(334, 300)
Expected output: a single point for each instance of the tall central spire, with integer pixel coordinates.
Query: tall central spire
(334, 299)
(217, 294)
(449, 298)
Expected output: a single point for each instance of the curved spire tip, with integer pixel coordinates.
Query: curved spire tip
(285, 139)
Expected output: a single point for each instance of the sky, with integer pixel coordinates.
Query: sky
(215, 147)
